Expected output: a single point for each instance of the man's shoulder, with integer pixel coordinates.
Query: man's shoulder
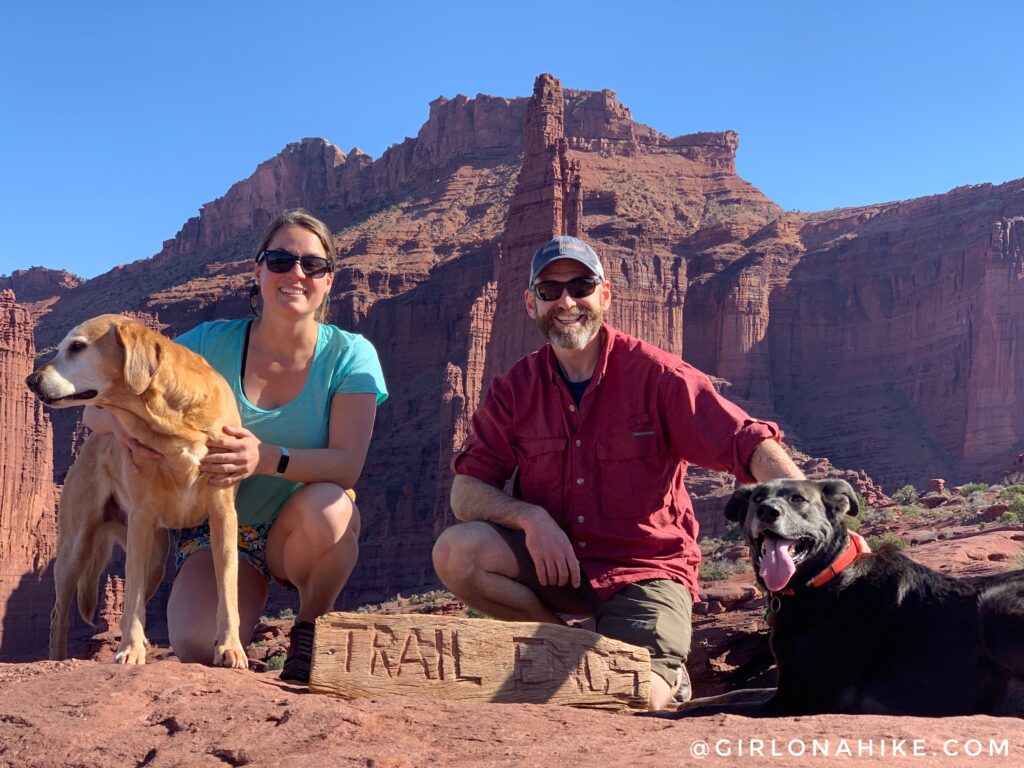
(634, 351)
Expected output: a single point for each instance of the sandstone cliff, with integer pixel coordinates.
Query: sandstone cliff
(28, 530)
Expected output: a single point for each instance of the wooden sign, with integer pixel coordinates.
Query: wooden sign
(357, 655)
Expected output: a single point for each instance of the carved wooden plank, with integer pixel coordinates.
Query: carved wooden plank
(357, 655)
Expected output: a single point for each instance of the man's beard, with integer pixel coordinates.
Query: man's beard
(575, 336)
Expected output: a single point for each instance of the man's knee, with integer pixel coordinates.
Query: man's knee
(459, 551)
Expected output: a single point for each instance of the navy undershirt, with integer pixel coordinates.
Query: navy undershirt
(576, 388)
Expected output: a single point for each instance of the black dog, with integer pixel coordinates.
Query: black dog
(870, 633)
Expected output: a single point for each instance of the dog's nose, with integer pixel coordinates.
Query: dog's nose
(32, 380)
(768, 512)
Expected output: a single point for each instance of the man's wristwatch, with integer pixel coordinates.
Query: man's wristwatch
(282, 465)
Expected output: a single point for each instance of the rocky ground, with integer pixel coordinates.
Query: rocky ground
(88, 712)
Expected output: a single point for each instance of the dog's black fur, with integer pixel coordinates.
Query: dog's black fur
(885, 636)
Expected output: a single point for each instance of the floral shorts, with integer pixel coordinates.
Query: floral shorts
(252, 545)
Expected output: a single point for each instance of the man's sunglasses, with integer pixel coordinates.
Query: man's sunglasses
(282, 261)
(578, 288)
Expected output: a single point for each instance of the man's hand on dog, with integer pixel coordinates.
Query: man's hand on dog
(234, 458)
(551, 551)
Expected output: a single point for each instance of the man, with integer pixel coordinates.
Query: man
(596, 429)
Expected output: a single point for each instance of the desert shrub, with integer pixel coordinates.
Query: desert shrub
(473, 613)
(905, 495)
(877, 516)
(912, 510)
(1010, 518)
(877, 542)
(1016, 506)
(969, 488)
(1009, 491)
(287, 613)
(276, 662)
(853, 523)
(716, 569)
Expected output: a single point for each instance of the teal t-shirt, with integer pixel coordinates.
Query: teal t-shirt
(343, 363)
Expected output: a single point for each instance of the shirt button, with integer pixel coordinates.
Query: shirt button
(572, 408)
(579, 443)
(579, 481)
(580, 519)
(582, 544)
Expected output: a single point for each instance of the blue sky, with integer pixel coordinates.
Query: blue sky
(122, 119)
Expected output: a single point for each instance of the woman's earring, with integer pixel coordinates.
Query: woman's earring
(254, 301)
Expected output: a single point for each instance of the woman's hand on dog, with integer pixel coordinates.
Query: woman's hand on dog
(102, 421)
(233, 458)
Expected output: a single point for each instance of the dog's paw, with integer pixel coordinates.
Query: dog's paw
(230, 656)
(130, 655)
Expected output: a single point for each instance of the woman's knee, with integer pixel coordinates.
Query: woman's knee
(326, 513)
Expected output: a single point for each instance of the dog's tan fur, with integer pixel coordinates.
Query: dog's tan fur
(170, 399)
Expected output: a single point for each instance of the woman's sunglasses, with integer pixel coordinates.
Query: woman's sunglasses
(578, 288)
(282, 261)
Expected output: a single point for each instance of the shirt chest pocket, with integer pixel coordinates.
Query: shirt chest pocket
(541, 469)
(633, 469)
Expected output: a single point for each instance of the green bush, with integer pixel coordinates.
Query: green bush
(969, 488)
(1017, 505)
(905, 495)
(1010, 518)
(276, 662)
(912, 510)
(1009, 491)
(877, 542)
(853, 523)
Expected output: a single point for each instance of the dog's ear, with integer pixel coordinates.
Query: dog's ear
(142, 356)
(736, 507)
(840, 493)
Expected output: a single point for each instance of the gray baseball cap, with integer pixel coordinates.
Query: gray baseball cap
(565, 247)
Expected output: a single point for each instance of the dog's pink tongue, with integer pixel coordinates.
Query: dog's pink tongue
(777, 566)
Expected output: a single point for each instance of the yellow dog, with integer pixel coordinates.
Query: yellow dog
(170, 399)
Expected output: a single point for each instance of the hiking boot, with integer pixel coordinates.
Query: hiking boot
(682, 692)
(300, 652)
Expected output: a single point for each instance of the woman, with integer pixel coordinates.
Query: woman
(307, 393)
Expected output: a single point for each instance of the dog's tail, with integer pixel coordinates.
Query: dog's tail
(94, 566)
(1002, 625)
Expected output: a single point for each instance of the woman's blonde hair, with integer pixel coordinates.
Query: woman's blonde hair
(297, 217)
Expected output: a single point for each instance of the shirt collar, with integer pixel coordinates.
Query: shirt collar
(609, 335)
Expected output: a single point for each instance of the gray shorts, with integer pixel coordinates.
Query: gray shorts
(654, 614)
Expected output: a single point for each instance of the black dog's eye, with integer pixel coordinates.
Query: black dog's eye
(798, 498)
(76, 346)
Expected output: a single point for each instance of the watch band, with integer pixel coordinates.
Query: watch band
(282, 465)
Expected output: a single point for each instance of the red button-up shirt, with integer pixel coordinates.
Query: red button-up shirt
(610, 472)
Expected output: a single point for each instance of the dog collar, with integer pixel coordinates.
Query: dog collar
(855, 547)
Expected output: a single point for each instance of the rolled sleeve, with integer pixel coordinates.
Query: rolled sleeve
(709, 430)
(487, 453)
(753, 433)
